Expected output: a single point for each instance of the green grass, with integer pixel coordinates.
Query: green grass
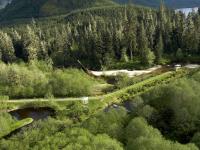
(17, 125)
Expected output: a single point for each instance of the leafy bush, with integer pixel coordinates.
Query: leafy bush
(196, 76)
(5, 121)
(40, 80)
(18, 81)
(71, 82)
(123, 80)
(178, 109)
(140, 135)
(8, 124)
(111, 122)
(55, 134)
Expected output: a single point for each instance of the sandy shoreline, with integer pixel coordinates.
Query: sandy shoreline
(129, 73)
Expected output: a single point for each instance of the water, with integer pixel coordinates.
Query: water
(186, 11)
(35, 113)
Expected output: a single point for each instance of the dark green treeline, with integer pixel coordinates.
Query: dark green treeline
(101, 37)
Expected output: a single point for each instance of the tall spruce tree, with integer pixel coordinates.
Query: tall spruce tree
(31, 44)
(146, 55)
(159, 48)
(6, 48)
(190, 36)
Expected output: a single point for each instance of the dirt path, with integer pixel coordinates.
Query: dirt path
(54, 100)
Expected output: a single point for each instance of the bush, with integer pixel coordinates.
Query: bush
(40, 80)
(196, 139)
(5, 123)
(140, 135)
(8, 124)
(177, 107)
(18, 81)
(196, 76)
(71, 82)
(111, 122)
(123, 80)
(55, 134)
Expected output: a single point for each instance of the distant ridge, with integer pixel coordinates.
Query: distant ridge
(40, 8)
(3, 3)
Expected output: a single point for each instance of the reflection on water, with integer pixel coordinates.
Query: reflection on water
(35, 113)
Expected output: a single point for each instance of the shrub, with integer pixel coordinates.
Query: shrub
(177, 108)
(71, 82)
(140, 135)
(40, 80)
(19, 81)
(5, 121)
(111, 122)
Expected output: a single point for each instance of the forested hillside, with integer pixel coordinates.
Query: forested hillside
(3, 3)
(29, 8)
(50, 99)
(102, 37)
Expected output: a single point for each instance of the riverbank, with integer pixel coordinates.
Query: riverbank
(127, 72)
(134, 73)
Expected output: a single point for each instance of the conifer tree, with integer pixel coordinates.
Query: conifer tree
(147, 57)
(6, 48)
(108, 54)
(190, 37)
(30, 45)
(159, 49)
(162, 16)
(130, 35)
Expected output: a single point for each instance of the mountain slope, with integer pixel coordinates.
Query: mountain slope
(3, 3)
(39, 8)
